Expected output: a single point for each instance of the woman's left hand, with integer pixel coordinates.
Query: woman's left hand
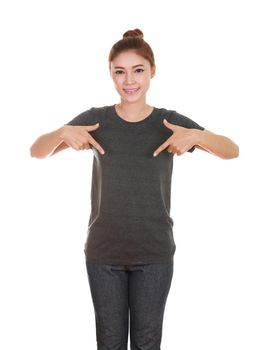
(180, 142)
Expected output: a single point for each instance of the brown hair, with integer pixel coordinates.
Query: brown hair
(132, 40)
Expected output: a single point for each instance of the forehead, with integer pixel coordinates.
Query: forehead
(127, 59)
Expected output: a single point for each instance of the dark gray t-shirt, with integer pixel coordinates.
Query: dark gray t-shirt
(130, 220)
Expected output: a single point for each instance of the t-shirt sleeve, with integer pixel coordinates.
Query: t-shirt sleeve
(182, 120)
(84, 118)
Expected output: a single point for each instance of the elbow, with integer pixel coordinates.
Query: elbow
(234, 153)
(34, 154)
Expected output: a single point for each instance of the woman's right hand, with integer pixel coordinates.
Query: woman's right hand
(79, 138)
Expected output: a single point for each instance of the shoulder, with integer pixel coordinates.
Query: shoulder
(96, 111)
(92, 115)
(169, 114)
(100, 109)
(100, 113)
(174, 117)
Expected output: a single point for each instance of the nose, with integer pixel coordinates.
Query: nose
(129, 78)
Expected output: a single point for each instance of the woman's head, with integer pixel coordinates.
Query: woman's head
(131, 64)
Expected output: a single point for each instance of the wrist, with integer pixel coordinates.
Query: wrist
(197, 136)
(61, 132)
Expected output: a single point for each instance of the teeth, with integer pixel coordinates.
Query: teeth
(130, 90)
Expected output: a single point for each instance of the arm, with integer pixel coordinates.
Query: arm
(59, 148)
(46, 143)
(77, 137)
(183, 139)
(218, 145)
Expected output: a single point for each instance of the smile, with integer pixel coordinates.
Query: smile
(130, 91)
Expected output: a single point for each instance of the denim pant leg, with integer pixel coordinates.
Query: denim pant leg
(149, 286)
(109, 291)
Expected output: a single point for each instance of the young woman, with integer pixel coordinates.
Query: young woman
(130, 247)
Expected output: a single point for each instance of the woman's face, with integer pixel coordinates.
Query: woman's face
(131, 75)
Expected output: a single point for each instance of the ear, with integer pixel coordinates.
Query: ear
(153, 71)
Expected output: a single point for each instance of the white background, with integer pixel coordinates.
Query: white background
(53, 67)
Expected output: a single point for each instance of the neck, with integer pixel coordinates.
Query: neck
(133, 111)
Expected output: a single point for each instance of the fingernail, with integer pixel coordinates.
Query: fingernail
(154, 154)
(102, 152)
(165, 120)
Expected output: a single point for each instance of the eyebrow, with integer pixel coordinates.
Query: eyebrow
(137, 65)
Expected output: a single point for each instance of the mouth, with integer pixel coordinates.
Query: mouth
(130, 91)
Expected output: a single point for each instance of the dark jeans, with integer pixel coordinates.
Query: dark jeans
(141, 290)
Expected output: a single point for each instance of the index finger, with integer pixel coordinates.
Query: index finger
(162, 147)
(96, 145)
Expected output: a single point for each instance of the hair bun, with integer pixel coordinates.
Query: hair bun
(135, 33)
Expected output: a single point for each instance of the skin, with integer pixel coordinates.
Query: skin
(77, 137)
(131, 77)
(131, 71)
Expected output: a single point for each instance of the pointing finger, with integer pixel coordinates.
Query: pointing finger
(96, 145)
(161, 148)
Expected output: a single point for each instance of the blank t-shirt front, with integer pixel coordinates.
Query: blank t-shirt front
(130, 220)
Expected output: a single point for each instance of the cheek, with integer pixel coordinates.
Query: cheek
(144, 79)
(118, 81)
(145, 82)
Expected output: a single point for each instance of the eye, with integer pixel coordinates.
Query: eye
(140, 70)
(118, 71)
